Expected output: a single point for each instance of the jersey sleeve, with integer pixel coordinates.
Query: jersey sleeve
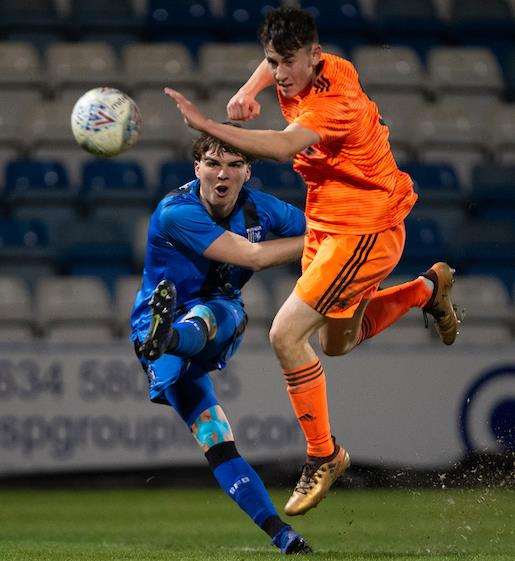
(190, 225)
(286, 220)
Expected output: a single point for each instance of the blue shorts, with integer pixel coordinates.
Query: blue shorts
(184, 383)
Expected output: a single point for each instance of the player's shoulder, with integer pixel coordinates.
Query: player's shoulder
(335, 76)
(262, 199)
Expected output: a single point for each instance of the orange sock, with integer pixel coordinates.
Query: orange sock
(390, 304)
(307, 391)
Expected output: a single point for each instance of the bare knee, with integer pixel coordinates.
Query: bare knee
(280, 339)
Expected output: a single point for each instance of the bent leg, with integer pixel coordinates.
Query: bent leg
(390, 304)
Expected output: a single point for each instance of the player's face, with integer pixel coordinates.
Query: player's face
(222, 176)
(293, 72)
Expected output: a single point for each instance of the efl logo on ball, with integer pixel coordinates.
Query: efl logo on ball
(106, 122)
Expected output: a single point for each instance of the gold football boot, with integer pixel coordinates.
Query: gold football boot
(440, 305)
(318, 474)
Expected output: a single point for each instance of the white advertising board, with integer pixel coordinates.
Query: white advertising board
(81, 408)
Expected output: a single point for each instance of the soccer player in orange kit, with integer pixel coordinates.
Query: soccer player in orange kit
(357, 200)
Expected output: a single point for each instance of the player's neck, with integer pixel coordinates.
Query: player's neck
(217, 212)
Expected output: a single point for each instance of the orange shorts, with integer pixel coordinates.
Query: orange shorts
(340, 270)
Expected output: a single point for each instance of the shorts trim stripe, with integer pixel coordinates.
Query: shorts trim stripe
(320, 304)
(345, 283)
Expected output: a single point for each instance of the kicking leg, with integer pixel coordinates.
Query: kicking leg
(194, 399)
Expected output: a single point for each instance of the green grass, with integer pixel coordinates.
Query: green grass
(202, 524)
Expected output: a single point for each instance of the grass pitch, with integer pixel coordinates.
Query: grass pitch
(203, 524)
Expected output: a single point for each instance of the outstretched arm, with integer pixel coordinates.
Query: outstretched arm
(275, 145)
(237, 250)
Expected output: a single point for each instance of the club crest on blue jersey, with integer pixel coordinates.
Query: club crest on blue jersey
(254, 234)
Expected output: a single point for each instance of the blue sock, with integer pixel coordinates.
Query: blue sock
(189, 337)
(242, 484)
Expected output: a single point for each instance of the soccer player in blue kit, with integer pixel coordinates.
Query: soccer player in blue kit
(204, 242)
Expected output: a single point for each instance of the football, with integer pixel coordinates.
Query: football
(106, 122)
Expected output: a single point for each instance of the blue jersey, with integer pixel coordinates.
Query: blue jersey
(181, 230)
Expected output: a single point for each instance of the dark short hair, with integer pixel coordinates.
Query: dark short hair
(206, 142)
(288, 29)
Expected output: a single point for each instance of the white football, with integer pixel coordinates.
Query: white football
(106, 122)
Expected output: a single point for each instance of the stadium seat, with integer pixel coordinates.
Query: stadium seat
(481, 22)
(44, 180)
(6, 155)
(98, 15)
(508, 65)
(465, 70)
(172, 176)
(241, 18)
(424, 245)
(150, 159)
(125, 293)
(19, 65)
(485, 247)
(389, 69)
(47, 124)
(149, 65)
(96, 243)
(24, 249)
(72, 156)
(436, 184)
(119, 182)
(14, 107)
(339, 21)
(82, 64)
(400, 112)
(450, 133)
(415, 23)
(164, 125)
(493, 192)
(190, 22)
(32, 15)
(15, 304)
(501, 134)
(228, 64)
(79, 300)
(271, 177)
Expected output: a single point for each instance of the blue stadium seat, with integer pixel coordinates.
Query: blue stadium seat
(29, 15)
(118, 182)
(493, 192)
(172, 176)
(338, 21)
(280, 180)
(37, 182)
(96, 245)
(242, 18)
(424, 246)
(101, 15)
(22, 234)
(413, 23)
(435, 183)
(187, 21)
(488, 23)
(508, 65)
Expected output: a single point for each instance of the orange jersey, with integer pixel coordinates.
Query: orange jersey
(353, 183)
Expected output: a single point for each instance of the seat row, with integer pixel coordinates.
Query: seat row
(81, 310)
(111, 243)
(460, 130)
(124, 182)
(71, 65)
